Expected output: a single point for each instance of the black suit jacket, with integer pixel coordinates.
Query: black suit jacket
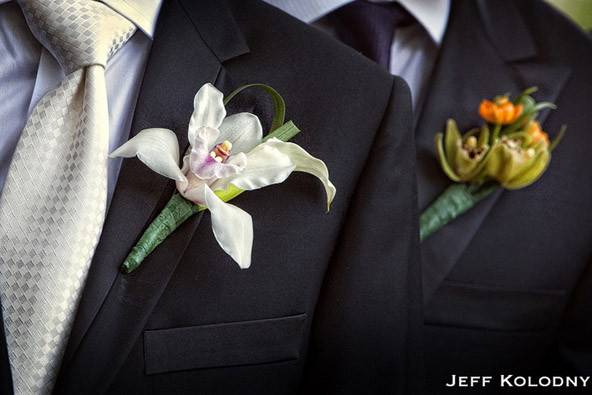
(508, 286)
(330, 302)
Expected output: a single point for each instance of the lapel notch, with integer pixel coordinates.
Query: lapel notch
(506, 30)
(217, 27)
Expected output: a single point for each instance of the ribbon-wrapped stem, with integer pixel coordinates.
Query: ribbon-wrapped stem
(453, 202)
(175, 213)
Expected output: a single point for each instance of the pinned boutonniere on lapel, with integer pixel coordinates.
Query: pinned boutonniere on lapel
(509, 151)
(227, 156)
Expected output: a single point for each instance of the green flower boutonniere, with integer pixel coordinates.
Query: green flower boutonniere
(510, 150)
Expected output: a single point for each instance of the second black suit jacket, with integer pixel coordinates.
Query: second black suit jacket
(330, 303)
(508, 286)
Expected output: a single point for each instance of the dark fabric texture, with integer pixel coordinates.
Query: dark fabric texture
(370, 27)
(507, 285)
(352, 275)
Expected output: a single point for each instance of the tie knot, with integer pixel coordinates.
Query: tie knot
(375, 12)
(369, 27)
(77, 33)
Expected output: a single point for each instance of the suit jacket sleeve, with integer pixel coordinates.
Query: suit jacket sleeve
(367, 318)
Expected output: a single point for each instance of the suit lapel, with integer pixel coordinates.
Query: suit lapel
(483, 54)
(114, 307)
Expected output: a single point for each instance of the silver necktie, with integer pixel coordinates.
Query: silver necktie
(53, 204)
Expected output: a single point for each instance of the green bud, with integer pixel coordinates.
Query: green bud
(462, 157)
(516, 163)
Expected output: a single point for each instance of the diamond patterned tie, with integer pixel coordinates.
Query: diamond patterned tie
(369, 27)
(53, 204)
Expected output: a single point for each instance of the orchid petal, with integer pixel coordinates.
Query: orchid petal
(209, 110)
(306, 163)
(233, 228)
(265, 166)
(156, 148)
(243, 130)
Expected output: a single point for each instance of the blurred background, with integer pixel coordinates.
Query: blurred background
(579, 10)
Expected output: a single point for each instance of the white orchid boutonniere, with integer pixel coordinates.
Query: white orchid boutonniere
(227, 155)
(509, 151)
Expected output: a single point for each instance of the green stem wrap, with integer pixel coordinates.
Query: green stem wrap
(176, 212)
(178, 209)
(454, 201)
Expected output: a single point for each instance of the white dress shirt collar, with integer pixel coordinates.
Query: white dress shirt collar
(431, 14)
(143, 13)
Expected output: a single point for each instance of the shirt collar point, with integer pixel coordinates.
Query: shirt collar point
(142, 13)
